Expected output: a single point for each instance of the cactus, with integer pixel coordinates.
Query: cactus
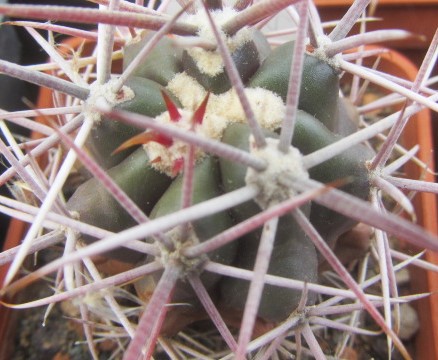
(222, 170)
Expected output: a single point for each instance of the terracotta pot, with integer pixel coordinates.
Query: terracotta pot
(418, 132)
(417, 16)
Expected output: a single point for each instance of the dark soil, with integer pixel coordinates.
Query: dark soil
(57, 339)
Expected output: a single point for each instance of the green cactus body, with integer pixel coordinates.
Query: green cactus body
(96, 206)
(322, 117)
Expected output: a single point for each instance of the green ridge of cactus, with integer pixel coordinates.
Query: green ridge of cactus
(94, 205)
(319, 92)
(162, 63)
(293, 257)
(206, 186)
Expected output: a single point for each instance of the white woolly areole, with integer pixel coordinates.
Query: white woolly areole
(334, 61)
(267, 106)
(106, 92)
(188, 91)
(210, 62)
(275, 182)
(180, 243)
